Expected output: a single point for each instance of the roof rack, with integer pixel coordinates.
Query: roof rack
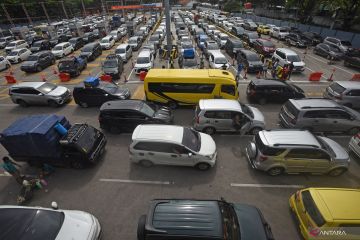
(289, 144)
(307, 107)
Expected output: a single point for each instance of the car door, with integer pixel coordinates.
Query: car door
(163, 153)
(223, 120)
(320, 161)
(315, 120)
(296, 160)
(339, 121)
(182, 156)
(353, 98)
(33, 96)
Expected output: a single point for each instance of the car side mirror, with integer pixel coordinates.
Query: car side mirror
(190, 154)
(106, 94)
(40, 94)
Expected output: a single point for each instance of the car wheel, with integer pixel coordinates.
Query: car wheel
(262, 101)
(275, 171)
(83, 105)
(255, 130)
(77, 164)
(39, 68)
(203, 166)
(172, 104)
(337, 172)
(22, 103)
(353, 131)
(53, 104)
(146, 163)
(141, 228)
(209, 130)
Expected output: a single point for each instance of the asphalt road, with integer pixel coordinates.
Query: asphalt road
(118, 192)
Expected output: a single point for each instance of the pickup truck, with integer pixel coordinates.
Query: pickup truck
(72, 65)
(39, 139)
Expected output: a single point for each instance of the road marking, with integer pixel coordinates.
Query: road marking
(128, 78)
(139, 93)
(135, 181)
(5, 174)
(93, 64)
(265, 185)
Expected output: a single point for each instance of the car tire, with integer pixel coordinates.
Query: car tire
(255, 130)
(275, 171)
(353, 131)
(22, 103)
(77, 164)
(262, 101)
(202, 166)
(83, 105)
(172, 104)
(209, 130)
(141, 228)
(146, 163)
(337, 171)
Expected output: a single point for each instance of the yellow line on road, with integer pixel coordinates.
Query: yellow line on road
(93, 64)
(139, 93)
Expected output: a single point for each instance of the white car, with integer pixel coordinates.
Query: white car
(46, 223)
(217, 60)
(124, 51)
(16, 45)
(107, 42)
(222, 39)
(116, 35)
(172, 145)
(287, 56)
(18, 55)
(4, 63)
(62, 49)
(144, 61)
(145, 30)
(279, 32)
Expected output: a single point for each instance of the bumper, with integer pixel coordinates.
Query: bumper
(65, 100)
(12, 60)
(283, 122)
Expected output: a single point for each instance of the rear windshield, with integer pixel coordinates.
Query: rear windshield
(311, 209)
(346, 43)
(290, 108)
(238, 45)
(33, 58)
(268, 44)
(293, 58)
(120, 50)
(266, 150)
(337, 88)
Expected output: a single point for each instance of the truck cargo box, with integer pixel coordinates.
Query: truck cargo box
(34, 136)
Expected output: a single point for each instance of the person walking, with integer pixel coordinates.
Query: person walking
(9, 166)
(285, 72)
(240, 67)
(264, 70)
(161, 51)
(274, 68)
(291, 69)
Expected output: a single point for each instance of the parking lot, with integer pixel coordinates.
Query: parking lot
(118, 192)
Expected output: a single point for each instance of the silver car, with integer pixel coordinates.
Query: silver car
(354, 144)
(39, 93)
(346, 93)
(296, 151)
(223, 115)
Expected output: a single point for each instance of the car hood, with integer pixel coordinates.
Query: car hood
(251, 222)
(29, 63)
(340, 152)
(12, 57)
(56, 51)
(58, 91)
(86, 54)
(208, 146)
(77, 225)
(258, 116)
(299, 64)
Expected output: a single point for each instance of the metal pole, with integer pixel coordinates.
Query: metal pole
(7, 15)
(83, 6)
(123, 10)
(168, 30)
(44, 9)
(103, 8)
(63, 7)
(26, 13)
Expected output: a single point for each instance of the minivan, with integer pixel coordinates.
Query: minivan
(124, 51)
(172, 145)
(107, 42)
(217, 60)
(76, 42)
(62, 49)
(15, 45)
(346, 93)
(287, 56)
(225, 115)
(144, 61)
(40, 46)
(91, 51)
(232, 46)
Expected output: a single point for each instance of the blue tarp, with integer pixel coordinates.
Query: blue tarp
(91, 82)
(189, 53)
(34, 136)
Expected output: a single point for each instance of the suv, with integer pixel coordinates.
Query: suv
(124, 51)
(210, 47)
(119, 116)
(270, 90)
(135, 43)
(352, 58)
(212, 115)
(295, 151)
(172, 145)
(287, 56)
(232, 46)
(72, 65)
(279, 32)
(76, 42)
(319, 115)
(15, 45)
(40, 46)
(250, 60)
(39, 93)
(113, 66)
(346, 93)
(36, 62)
(297, 40)
(344, 46)
(210, 219)
(91, 51)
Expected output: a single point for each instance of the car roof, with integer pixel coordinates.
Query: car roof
(268, 82)
(144, 53)
(217, 54)
(282, 137)
(314, 103)
(248, 52)
(220, 104)
(173, 217)
(327, 201)
(157, 132)
(286, 51)
(28, 84)
(123, 45)
(122, 104)
(349, 84)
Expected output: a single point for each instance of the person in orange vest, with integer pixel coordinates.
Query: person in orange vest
(285, 72)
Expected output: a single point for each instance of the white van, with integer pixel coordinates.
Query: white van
(144, 61)
(107, 42)
(287, 56)
(124, 51)
(217, 60)
(62, 49)
(172, 145)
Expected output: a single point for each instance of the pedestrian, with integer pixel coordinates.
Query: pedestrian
(239, 69)
(259, 34)
(264, 70)
(291, 69)
(285, 72)
(262, 58)
(9, 166)
(161, 51)
(171, 63)
(274, 67)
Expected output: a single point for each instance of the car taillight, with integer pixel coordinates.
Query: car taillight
(339, 97)
(262, 158)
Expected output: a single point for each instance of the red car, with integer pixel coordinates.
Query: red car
(264, 46)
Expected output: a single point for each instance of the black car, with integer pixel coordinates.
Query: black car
(72, 65)
(91, 51)
(352, 58)
(90, 96)
(36, 62)
(124, 116)
(113, 66)
(250, 37)
(210, 219)
(232, 46)
(267, 90)
(76, 42)
(89, 37)
(297, 40)
(313, 38)
(250, 60)
(54, 41)
(64, 38)
(32, 39)
(328, 51)
(237, 31)
(40, 46)
(251, 26)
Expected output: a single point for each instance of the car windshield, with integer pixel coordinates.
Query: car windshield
(87, 49)
(253, 58)
(87, 34)
(105, 41)
(110, 64)
(11, 44)
(283, 30)
(224, 37)
(221, 60)
(186, 45)
(66, 64)
(213, 47)
(237, 45)
(46, 87)
(253, 35)
(13, 53)
(311, 209)
(191, 139)
(32, 58)
(245, 108)
(2, 40)
(57, 48)
(142, 60)
(293, 58)
(154, 38)
(29, 224)
(120, 50)
(147, 110)
(334, 49)
(37, 44)
(326, 146)
(230, 222)
(110, 88)
(133, 41)
(268, 44)
(190, 62)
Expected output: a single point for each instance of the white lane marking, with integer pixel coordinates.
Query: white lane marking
(265, 185)
(5, 174)
(135, 181)
(7, 105)
(128, 78)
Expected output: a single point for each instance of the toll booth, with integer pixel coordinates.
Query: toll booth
(20, 32)
(46, 31)
(76, 29)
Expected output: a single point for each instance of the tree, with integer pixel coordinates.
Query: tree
(304, 8)
(347, 10)
(232, 6)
